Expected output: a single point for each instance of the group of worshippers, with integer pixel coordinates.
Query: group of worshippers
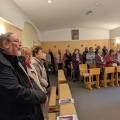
(101, 57)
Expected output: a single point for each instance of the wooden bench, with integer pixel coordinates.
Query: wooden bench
(96, 72)
(117, 70)
(108, 70)
(52, 101)
(64, 91)
(67, 109)
(51, 116)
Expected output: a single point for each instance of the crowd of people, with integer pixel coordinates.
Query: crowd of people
(24, 74)
(101, 57)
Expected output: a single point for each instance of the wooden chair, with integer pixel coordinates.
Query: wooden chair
(96, 72)
(83, 71)
(52, 101)
(92, 65)
(108, 70)
(51, 116)
(72, 70)
(117, 70)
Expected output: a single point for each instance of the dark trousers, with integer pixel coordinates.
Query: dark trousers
(53, 65)
(76, 72)
(60, 66)
(68, 72)
(102, 74)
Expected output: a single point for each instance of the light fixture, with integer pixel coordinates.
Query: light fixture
(2, 30)
(89, 13)
(118, 41)
(97, 4)
(49, 1)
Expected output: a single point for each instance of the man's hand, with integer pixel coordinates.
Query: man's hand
(44, 104)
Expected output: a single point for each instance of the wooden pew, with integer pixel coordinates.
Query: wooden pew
(61, 77)
(96, 72)
(110, 81)
(52, 101)
(51, 116)
(117, 70)
(83, 71)
(67, 109)
(64, 91)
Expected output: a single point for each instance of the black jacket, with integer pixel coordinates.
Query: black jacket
(18, 100)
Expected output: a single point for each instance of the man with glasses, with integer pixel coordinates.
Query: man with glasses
(20, 97)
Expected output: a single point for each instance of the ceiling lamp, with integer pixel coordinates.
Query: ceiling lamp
(97, 4)
(49, 1)
(89, 13)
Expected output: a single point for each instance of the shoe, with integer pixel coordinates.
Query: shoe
(74, 80)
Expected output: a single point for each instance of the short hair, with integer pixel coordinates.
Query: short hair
(111, 50)
(99, 50)
(5, 36)
(90, 48)
(75, 49)
(24, 50)
(35, 50)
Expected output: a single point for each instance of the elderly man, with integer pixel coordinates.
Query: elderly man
(20, 97)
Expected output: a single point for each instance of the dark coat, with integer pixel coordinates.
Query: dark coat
(99, 63)
(74, 61)
(18, 100)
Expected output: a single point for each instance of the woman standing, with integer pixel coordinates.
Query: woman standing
(59, 57)
(111, 59)
(39, 66)
(100, 63)
(26, 53)
(67, 60)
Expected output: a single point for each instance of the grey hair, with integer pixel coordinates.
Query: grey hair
(5, 36)
(99, 50)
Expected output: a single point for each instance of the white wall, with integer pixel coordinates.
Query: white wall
(115, 33)
(11, 12)
(84, 34)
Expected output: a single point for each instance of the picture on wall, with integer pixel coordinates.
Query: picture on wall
(75, 34)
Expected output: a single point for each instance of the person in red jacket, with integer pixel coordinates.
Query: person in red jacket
(111, 58)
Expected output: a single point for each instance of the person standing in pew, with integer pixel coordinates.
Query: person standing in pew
(46, 68)
(39, 66)
(20, 96)
(67, 60)
(100, 63)
(111, 60)
(59, 58)
(51, 61)
(84, 54)
(76, 60)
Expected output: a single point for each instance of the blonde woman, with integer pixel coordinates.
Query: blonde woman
(26, 52)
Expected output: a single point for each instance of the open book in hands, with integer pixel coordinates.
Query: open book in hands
(65, 101)
(67, 117)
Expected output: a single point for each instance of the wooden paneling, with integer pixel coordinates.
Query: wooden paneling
(71, 45)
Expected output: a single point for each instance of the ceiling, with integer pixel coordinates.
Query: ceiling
(62, 14)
